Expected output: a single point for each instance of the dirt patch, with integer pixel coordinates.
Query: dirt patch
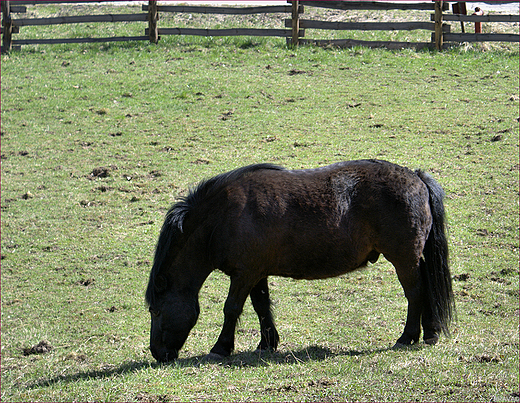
(321, 383)
(461, 277)
(104, 188)
(154, 174)
(284, 388)
(42, 347)
(102, 111)
(87, 203)
(148, 397)
(73, 356)
(86, 283)
(101, 172)
(227, 115)
(200, 161)
(482, 358)
(295, 72)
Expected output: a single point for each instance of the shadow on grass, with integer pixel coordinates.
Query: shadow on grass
(261, 359)
(239, 360)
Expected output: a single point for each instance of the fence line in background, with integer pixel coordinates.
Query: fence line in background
(295, 25)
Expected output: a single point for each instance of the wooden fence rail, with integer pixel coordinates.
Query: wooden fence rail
(295, 26)
(365, 26)
(481, 18)
(468, 37)
(369, 5)
(224, 32)
(24, 22)
(222, 10)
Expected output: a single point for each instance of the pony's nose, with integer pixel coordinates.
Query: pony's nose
(163, 355)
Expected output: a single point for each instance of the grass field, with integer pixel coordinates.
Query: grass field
(99, 140)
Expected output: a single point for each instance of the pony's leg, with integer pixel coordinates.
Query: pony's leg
(411, 282)
(238, 292)
(431, 327)
(262, 305)
(430, 324)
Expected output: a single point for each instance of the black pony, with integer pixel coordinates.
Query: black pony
(262, 220)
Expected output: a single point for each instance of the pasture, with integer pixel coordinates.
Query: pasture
(99, 140)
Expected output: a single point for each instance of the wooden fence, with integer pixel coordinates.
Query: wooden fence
(437, 26)
(295, 25)
(481, 37)
(225, 10)
(12, 26)
(441, 32)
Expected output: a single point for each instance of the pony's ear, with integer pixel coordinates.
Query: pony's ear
(161, 284)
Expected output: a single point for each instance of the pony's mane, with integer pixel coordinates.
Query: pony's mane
(172, 228)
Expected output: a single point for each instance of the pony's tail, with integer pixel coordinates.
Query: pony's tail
(435, 271)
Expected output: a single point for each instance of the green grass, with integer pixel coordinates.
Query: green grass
(77, 249)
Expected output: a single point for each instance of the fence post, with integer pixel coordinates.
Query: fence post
(153, 31)
(478, 24)
(7, 26)
(438, 24)
(295, 23)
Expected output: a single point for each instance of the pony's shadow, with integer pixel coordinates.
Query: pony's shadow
(261, 359)
(238, 360)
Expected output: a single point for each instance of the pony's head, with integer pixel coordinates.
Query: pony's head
(173, 306)
(173, 317)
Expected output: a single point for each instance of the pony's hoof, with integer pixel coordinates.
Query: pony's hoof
(431, 341)
(399, 346)
(213, 357)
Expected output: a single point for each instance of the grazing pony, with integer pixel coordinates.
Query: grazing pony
(262, 220)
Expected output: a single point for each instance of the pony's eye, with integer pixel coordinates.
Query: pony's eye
(154, 312)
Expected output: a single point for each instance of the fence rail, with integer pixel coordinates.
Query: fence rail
(222, 10)
(25, 22)
(364, 26)
(224, 32)
(481, 18)
(295, 25)
(468, 37)
(369, 5)
(79, 40)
